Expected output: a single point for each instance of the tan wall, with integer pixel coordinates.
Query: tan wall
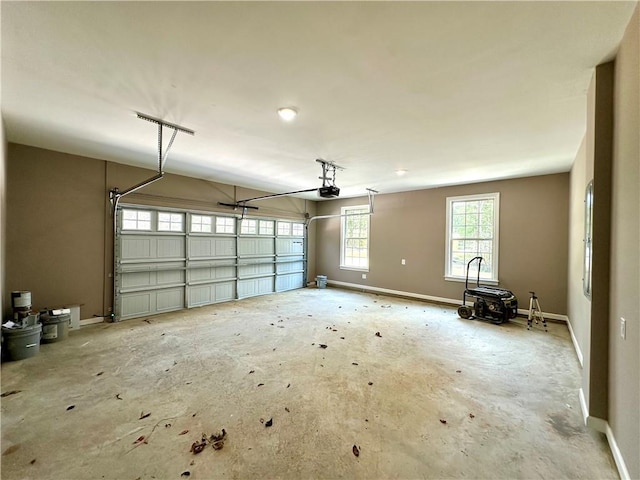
(55, 228)
(624, 355)
(60, 227)
(411, 225)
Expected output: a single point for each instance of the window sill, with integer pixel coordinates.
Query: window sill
(472, 281)
(355, 269)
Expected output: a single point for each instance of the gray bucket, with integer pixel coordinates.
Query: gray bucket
(20, 343)
(321, 281)
(55, 328)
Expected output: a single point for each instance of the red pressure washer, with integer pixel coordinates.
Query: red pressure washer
(495, 304)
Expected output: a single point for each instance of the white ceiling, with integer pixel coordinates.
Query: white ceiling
(453, 92)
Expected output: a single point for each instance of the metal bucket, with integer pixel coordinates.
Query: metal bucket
(321, 281)
(55, 328)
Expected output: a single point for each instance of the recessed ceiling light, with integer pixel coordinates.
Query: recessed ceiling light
(287, 113)
(400, 172)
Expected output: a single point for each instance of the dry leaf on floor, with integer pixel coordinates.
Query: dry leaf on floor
(356, 451)
(183, 432)
(217, 441)
(197, 447)
(261, 384)
(139, 439)
(71, 407)
(118, 397)
(269, 422)
(444, 422)
(185, 473)
(252, 371)
(12, 392)
(144, 415)
(11, 449)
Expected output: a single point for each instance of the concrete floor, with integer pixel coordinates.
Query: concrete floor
(509, 396)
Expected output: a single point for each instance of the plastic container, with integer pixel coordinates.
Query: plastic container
(20, 343)
(55, 328)
(321, 281)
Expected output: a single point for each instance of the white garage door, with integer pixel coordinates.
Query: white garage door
(169, 260)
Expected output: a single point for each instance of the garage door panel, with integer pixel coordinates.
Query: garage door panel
(170, 247)
(289, 282)
(288, 246)
(208, 247)
(137, 304)
(211, 293)
(256, 246)
(168, 300)
(211, 273)
(290, 266)
(137, 248)
(255, 286)
(255, 269)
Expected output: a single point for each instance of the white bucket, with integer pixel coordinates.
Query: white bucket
(21, 300)
(321, 281)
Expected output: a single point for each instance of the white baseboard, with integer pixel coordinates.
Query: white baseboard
(397, 293)
(91, 321)
(576, 345)
(431, 298)
(617, 455)
(602, 426)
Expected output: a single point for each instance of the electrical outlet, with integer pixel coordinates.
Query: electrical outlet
(364, 276)
(623, 328)
(403, 261)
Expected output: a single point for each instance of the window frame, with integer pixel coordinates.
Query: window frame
(171, 221)
(495, 249)
(137, 220)
(197, 219)
(344, 215)
(220, 228)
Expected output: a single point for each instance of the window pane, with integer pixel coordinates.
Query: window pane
(266, 227)
(298, 229)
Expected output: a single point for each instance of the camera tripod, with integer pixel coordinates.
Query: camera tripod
(535, 313)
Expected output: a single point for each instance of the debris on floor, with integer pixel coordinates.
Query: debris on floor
(71, 407)
(118, 397)
(197, 447)
(444, 422)
(322, 345)
(140, 439)
(286, 409)
(356, 451)
(186, 473)
(370, 383)
(183, 432)
(378, 334)
(217, 441)
(99, 373)
(471, 415)
(354, 363)
(144, 415)
(12, 392)
(32, 461)
(269, 422)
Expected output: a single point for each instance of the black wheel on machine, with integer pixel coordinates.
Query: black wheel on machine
(465, 312)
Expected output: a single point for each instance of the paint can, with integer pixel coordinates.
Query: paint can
(21, 301)
(321, 281)
(55, 328)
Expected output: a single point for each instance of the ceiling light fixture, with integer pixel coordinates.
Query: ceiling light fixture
(400, 172)
(287, 113)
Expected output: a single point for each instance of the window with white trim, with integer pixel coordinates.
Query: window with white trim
(472, 231)
(136, 219)
(169, 222)
(284, 228)
(201, 223)
(249, 227)
(354, 238)
(265, 227)
(225, 225)
(297, 229)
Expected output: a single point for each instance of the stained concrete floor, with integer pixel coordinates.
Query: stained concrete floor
(433, 396)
